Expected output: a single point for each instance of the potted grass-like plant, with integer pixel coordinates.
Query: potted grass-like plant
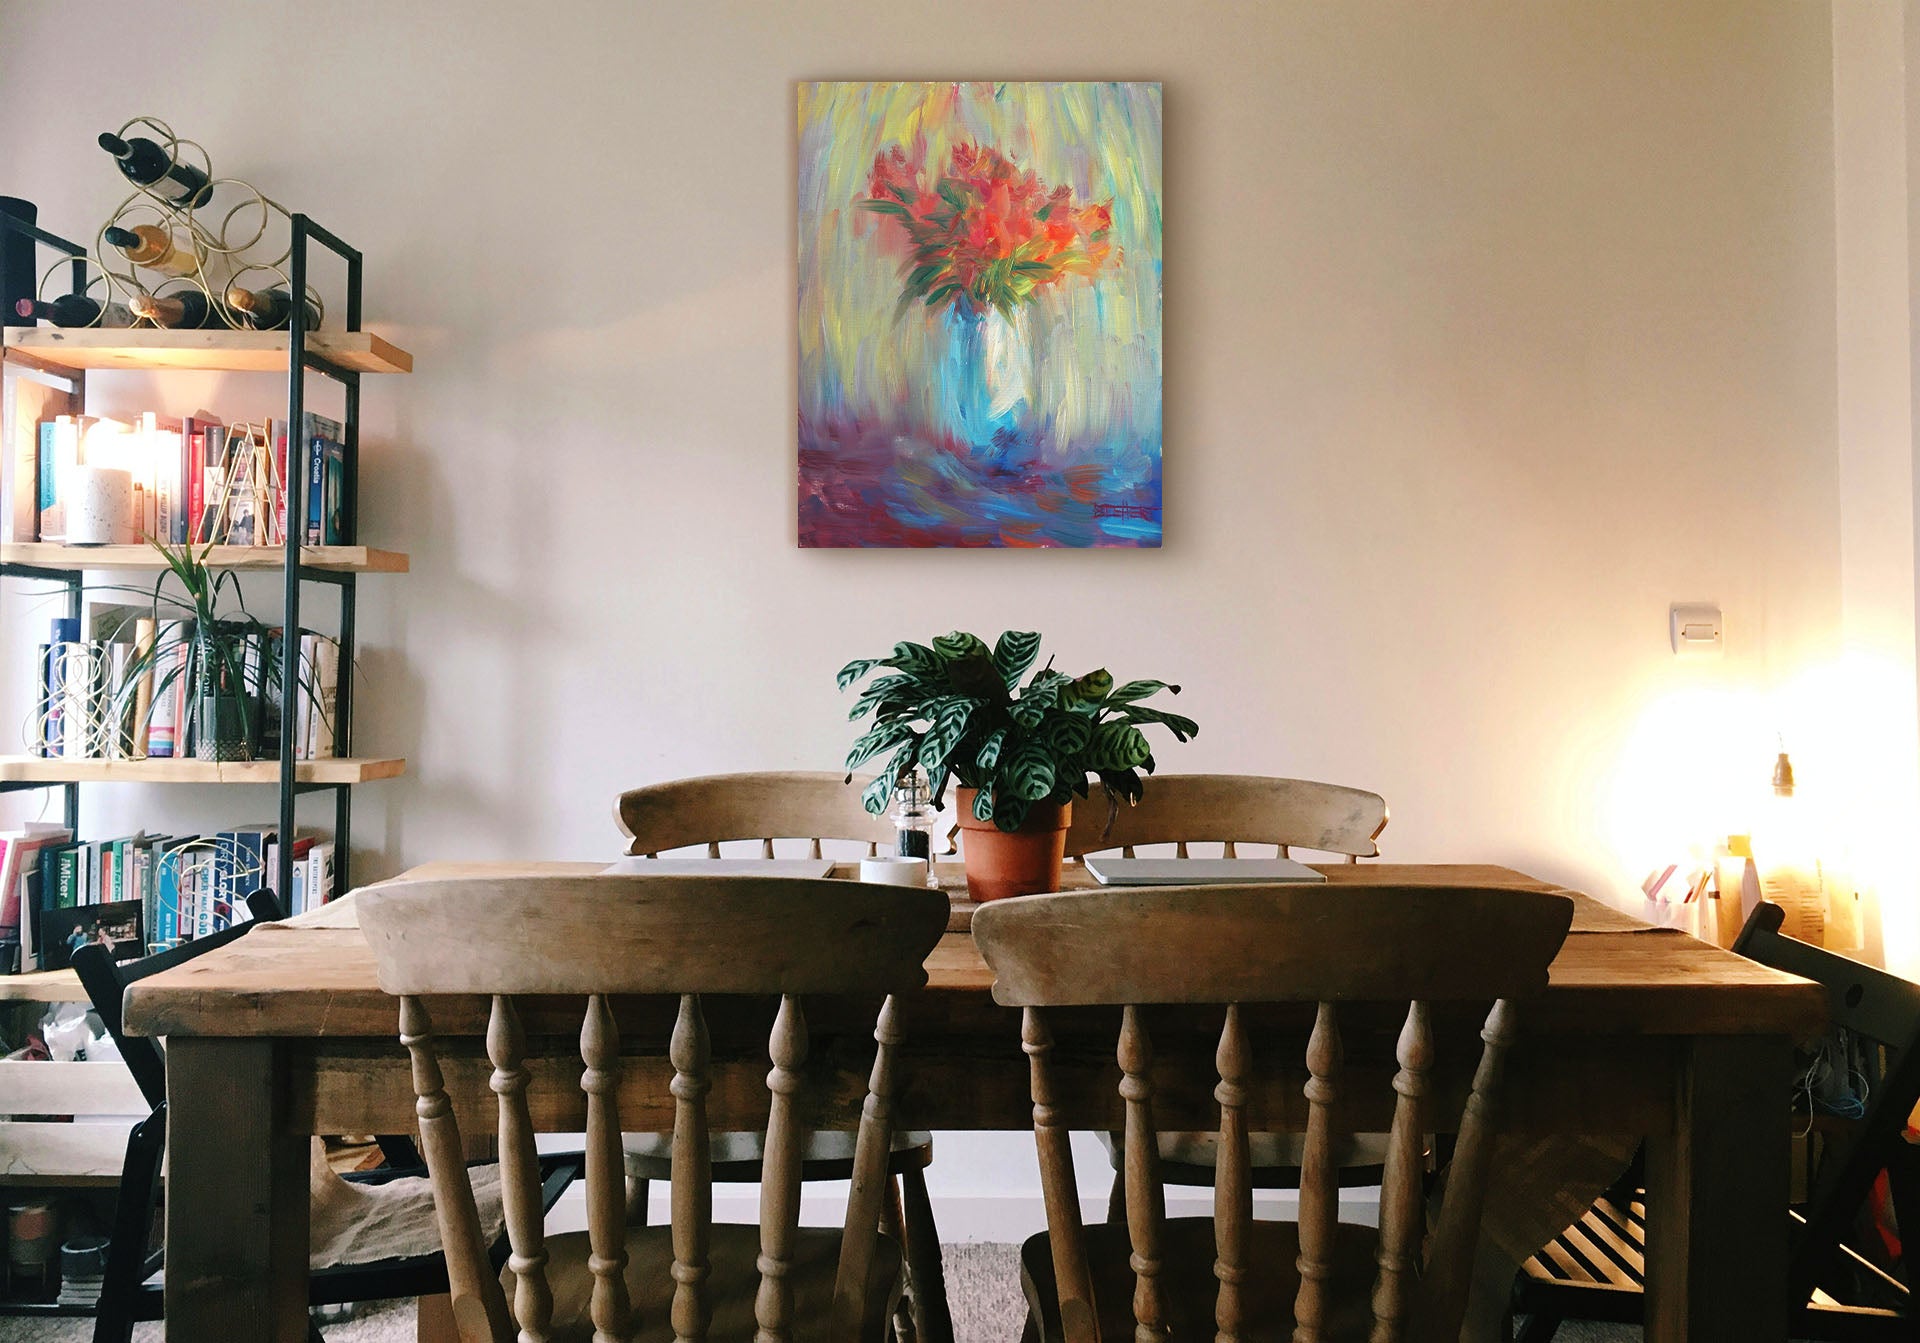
(1019, 753)
(224, 660)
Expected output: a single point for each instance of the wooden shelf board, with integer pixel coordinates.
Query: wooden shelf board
(42, 986)
(70, 348)
(337, 559)
(35, 769)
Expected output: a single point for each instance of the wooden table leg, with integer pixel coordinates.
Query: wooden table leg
(237, 1200)
(1717, 1185)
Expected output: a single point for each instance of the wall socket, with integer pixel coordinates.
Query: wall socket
(1694, 628)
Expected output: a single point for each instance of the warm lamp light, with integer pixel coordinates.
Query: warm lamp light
(1787, 854)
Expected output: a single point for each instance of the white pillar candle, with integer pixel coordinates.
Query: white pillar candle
(100, 507)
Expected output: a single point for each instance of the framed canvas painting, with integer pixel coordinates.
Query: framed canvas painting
(979, 314)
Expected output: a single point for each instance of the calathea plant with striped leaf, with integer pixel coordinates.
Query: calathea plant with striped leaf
(957, 709)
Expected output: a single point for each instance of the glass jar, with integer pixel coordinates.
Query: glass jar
(913, 818)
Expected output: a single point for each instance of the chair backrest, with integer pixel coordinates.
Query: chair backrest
(1247, 945)
(106, 981)
(812, 805)
(667, 937)
(1875, 1007)
(1235, 809)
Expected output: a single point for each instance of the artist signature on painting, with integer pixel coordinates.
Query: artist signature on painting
(1145, 512)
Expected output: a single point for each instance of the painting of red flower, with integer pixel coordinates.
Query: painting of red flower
(979, 314)
(983, 232)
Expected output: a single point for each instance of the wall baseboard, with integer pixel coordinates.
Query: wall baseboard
(998, 1219)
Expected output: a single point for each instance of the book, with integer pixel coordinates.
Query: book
(166, 722)
(339, 518)
(205, 891)
(303, 700)
(118, 866)
(28, 405)
(33, 904)
(199, 454)
(185, 476)
(314, 431)
(19, 856)
(117, 701)
(319, 883)
(316, 490)
(169, 889)
(155, 444)
(143, 634)
(70, 697)
(52, 858)
(32, 910)
(324, 690)
(218, 447)
(69, 867)
(9, 891)
(60, 453)
(277, 435)
(270, 870)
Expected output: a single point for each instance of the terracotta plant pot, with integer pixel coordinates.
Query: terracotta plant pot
(1018, 862)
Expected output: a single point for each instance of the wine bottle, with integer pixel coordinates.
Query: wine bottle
(184, 309)
(74, 310)
(146, 163)
(269, 309)
(154, 248)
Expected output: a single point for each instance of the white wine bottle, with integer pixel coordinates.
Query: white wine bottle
(269, 309)
(154, 248)
(184, 309)
(144, 162)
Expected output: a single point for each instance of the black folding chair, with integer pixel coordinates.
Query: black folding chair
(1595, 1270)
(131, 1289)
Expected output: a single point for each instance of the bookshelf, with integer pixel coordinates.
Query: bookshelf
(53, 557)
(330, 773)
(343, 355)
(53, 348)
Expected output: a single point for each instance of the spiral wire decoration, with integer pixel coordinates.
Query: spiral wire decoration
(245, 873)
(218, 242)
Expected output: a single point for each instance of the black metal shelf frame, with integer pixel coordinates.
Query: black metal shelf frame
(300, 362)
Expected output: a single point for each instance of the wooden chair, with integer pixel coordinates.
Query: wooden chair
(676, 938)
(1158, 955)
(816, 806)
(1596, 1270)
(1234, 810)
(131, 1289)
(813, 805)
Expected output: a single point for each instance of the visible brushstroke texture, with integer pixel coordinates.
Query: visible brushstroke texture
(979, 314)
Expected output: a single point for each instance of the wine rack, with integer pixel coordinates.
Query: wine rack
(201, 257)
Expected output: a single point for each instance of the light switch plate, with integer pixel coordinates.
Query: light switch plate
(1694, 628)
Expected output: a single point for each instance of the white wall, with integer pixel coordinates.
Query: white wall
(1490, 333)
(1491, 330)
(1873, 234)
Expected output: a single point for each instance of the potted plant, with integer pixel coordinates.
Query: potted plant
(1019, 753)
(230, 675)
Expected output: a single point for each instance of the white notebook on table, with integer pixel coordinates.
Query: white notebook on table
(1199, 871)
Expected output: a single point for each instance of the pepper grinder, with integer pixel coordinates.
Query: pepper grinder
(913, 818)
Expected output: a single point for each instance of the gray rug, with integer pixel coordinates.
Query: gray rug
(983, 1288)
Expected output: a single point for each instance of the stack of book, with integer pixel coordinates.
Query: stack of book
(129, 689)
(141, 892)
(195, 480)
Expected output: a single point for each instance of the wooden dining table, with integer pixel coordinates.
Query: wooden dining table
(285, 1034)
